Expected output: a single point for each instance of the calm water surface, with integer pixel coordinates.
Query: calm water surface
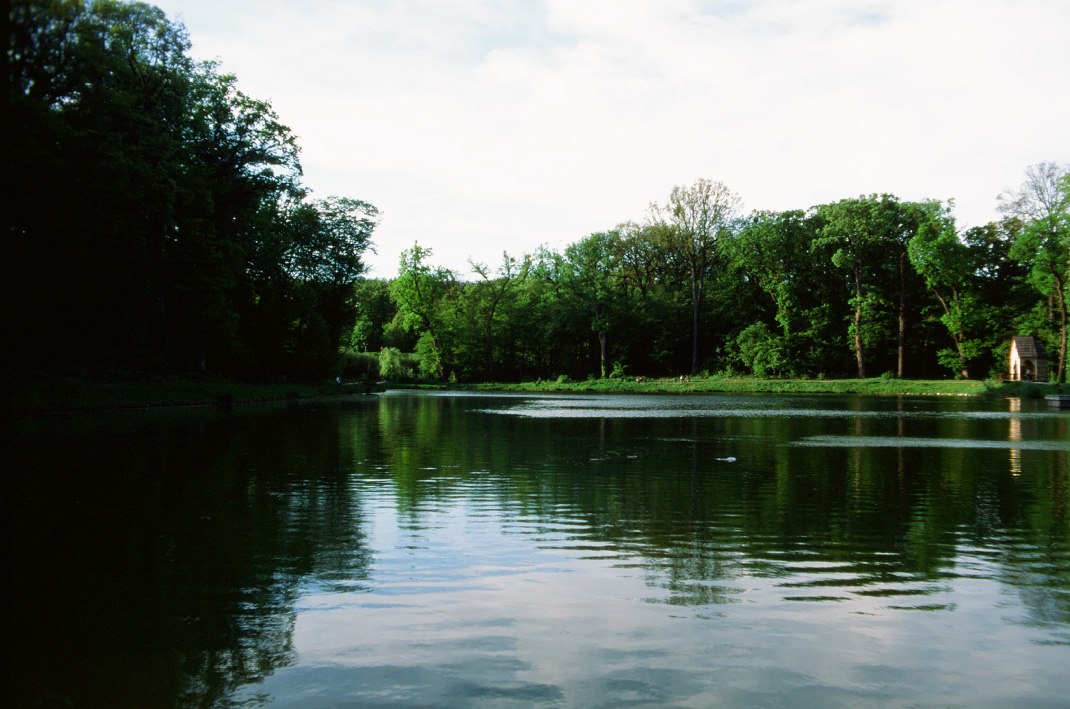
(414, 550)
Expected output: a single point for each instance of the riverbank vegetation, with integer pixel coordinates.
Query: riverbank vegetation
(158, 224)
(752, 385)
(864, 287)
(124, 390)
(155, 216)
(878, 386)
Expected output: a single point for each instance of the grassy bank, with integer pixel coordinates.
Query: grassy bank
(53, 394)
(48, 394)
(752, 385)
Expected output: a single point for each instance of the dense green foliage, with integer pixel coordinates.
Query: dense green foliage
(158, 223)
(863, 286)
(155, 213)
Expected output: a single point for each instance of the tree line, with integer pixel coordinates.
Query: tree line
(864, 286)
(158, 223)
(155, 213)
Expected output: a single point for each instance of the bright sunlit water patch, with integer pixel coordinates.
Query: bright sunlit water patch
(684, 406)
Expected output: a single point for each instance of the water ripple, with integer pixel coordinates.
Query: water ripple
(831, 441)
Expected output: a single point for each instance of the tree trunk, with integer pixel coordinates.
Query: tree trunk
(858, 326)
(956, 337)
(602, 352)
(1060, 372)
(441, 366)
(900, 367)
(965, 371)
(858, 343)
(696, 305)
(489, 346)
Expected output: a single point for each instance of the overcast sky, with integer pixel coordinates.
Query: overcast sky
(483, 126)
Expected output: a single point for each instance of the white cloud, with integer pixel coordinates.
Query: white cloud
(485, 126)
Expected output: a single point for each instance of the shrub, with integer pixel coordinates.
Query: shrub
(761, 351)
(390, 364)
(430, 362)
(360, 365)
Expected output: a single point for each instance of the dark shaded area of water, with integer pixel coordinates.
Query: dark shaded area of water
(457, 550)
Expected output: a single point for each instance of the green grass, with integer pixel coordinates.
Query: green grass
(877, 386)
(132, 391)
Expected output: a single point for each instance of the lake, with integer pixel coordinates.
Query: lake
(460, 550)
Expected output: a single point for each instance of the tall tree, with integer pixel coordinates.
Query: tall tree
(374, 309)
(1042, 202)
(419, 291)
(691, 224)
(769, 248)
(489, 295)
(587, 276)
(849, 230)
(949, 268)
(654, 327)
(158, 218)
(901, 221)
(97, 95)
(771, 251)
(1002, 285)
(325, 241)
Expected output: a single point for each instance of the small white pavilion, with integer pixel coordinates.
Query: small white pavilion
(1029, 361)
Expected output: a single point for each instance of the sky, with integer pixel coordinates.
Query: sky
(479, 127)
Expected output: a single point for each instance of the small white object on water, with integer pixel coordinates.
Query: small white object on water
(729, 459)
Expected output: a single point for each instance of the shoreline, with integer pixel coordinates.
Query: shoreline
(57, 395)
(878, 386)
(61, 395)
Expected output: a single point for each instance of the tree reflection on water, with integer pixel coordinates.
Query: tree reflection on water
(162, 558)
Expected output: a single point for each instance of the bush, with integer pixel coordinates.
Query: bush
(360, 365)
(390, 364)
(761, 351)
(410, 363)
(430, 362)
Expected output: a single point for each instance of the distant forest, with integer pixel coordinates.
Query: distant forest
(159, 225)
